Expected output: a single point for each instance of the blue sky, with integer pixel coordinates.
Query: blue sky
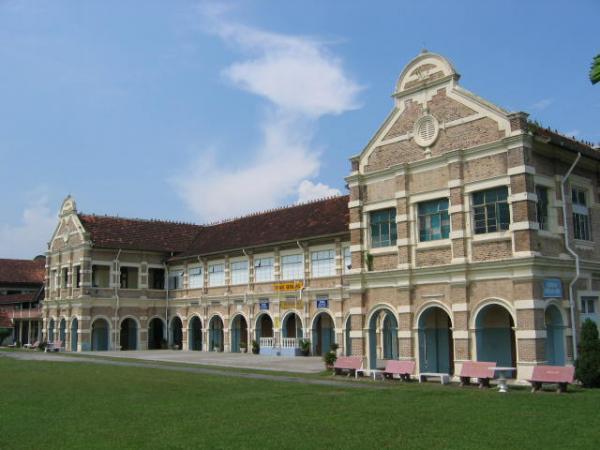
(199, 111)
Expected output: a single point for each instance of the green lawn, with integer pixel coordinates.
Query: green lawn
(79, 405)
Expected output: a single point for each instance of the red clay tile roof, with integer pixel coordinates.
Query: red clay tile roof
(22, 271)
(566, 142)
(319, 218)
(18, 298)
(138, 234)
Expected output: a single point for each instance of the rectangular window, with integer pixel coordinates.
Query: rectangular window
(53, 279)
(64, 277)
(542, 206)
(581, 215)
(383, 228)
(100, 276)
(323, 263)
(77, 270)
(263, 270)
(239, 272)
(434, 220)
(176, 279)
(490, 210)
(196, 278)
(347, 259)
(129, 278)
(216, 275)
(292, 267)
(588, 305)
(156, 278)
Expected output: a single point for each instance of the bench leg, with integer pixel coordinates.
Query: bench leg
(536, 386)
(562, 387)
(484, 383)
(465, 381)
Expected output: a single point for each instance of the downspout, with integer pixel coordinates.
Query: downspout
(303, 286)
(117, 286)
(573, 253)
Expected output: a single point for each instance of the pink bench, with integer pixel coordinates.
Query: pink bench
(483, 371)
(562, 376)
(403, 368)
(349, 364)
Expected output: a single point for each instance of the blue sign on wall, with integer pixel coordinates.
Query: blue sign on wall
(552, 288)
(264, 305)
(323, 302)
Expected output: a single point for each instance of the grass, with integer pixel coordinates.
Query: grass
(82, 405)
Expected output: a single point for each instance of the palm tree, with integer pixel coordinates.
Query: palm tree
(595, 70)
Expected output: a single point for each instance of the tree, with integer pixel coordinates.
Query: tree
(587, 366)
(595, 70)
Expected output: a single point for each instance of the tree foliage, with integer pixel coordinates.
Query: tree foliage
(595, 70)
(587, 366)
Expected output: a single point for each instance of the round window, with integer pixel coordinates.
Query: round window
(426, 131)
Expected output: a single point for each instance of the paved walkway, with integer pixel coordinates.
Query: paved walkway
(94, 359)
(239, 360)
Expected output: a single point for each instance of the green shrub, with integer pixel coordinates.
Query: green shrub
(587, 366)
(305, 346)
(329, 358)
(255, 347)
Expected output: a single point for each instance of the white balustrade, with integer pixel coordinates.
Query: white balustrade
(289, 343)
(266, 342)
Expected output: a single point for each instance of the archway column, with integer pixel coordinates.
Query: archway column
(143, 344)
(185, 344)
(530, 334)
(358, 327)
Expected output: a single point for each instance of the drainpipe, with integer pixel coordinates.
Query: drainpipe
(573, 253)
(117, 286)
(303, 286)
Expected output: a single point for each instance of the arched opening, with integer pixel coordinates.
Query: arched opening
(264, 327)
(100, 333)
(436, 348)
(176, 333)
(495, 336)
(51, 331)
(347, 338)
(239, 334)
(128, 335)
(292, 326)
(383, 337)
(215, 334)
(195, 333)
(323, 334)
(74, 337)
(62, 331)
(555, 339)
(156, 336)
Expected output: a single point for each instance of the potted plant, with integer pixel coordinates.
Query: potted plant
(330, 357)
(255, 347)
(305, 347)
(243, 347)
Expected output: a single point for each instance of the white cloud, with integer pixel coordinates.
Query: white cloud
(542, 104)
(310, 191)
(302, 81)
(30, 237)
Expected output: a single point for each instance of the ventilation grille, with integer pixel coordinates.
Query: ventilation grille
(426, 131)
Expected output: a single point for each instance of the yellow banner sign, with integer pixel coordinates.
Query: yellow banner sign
(291, 286)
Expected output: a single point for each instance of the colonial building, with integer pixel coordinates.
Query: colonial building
(468, 234)
(21, 293)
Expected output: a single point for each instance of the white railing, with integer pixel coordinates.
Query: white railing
(267, 342)
(289, 343)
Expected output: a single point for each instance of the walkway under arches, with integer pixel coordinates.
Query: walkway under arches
(215, 334)
(264, 326)
(100, 335)
(323, 333)
(195, 334)
(156, 334)
(74, 336)
(176, 333)
(495, 336)
(128, 336)
(436, 346)
(239, 334)
(383, 337)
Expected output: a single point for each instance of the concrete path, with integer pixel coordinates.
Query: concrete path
(239, 360)
(64, 357)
